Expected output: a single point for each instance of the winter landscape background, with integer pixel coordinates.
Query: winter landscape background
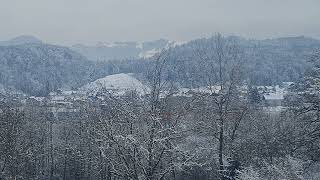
(205, 107)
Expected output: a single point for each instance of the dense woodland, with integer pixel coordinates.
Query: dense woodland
(221, 134)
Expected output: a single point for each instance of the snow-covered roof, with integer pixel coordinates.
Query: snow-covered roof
(69, 92)
(37, 98)
(274, 96)
(57, 98)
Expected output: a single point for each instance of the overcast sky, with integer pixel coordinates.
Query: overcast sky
(89, 21)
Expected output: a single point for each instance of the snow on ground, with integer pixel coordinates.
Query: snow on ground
(152, 52)
(176, 43)
(119, 84)
(275, 109)
(149, 54)
(277, 93)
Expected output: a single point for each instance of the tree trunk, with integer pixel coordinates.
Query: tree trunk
(221, 166)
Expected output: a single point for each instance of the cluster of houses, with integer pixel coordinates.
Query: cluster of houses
(272, 96)
(70, 101)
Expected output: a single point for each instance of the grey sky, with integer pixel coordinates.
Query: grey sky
(89, 21)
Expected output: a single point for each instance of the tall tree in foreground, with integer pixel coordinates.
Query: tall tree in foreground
(307, 111)
(221, 63)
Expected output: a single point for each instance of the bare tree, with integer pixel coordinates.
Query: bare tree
(222, 69)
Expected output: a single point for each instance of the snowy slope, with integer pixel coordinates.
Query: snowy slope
(118, 84)
(149, 54)
(105, 51)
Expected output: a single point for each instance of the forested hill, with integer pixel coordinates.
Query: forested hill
(38, 68)
(268, 62)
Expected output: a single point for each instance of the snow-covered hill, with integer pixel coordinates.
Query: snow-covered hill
(118, 84)
(38, 68)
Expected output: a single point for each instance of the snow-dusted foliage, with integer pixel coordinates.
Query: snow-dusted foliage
(282, 169)
(248, 173)
(192, 112)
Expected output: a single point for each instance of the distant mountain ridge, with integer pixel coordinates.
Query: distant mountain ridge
(24, 39)
(122, 50)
